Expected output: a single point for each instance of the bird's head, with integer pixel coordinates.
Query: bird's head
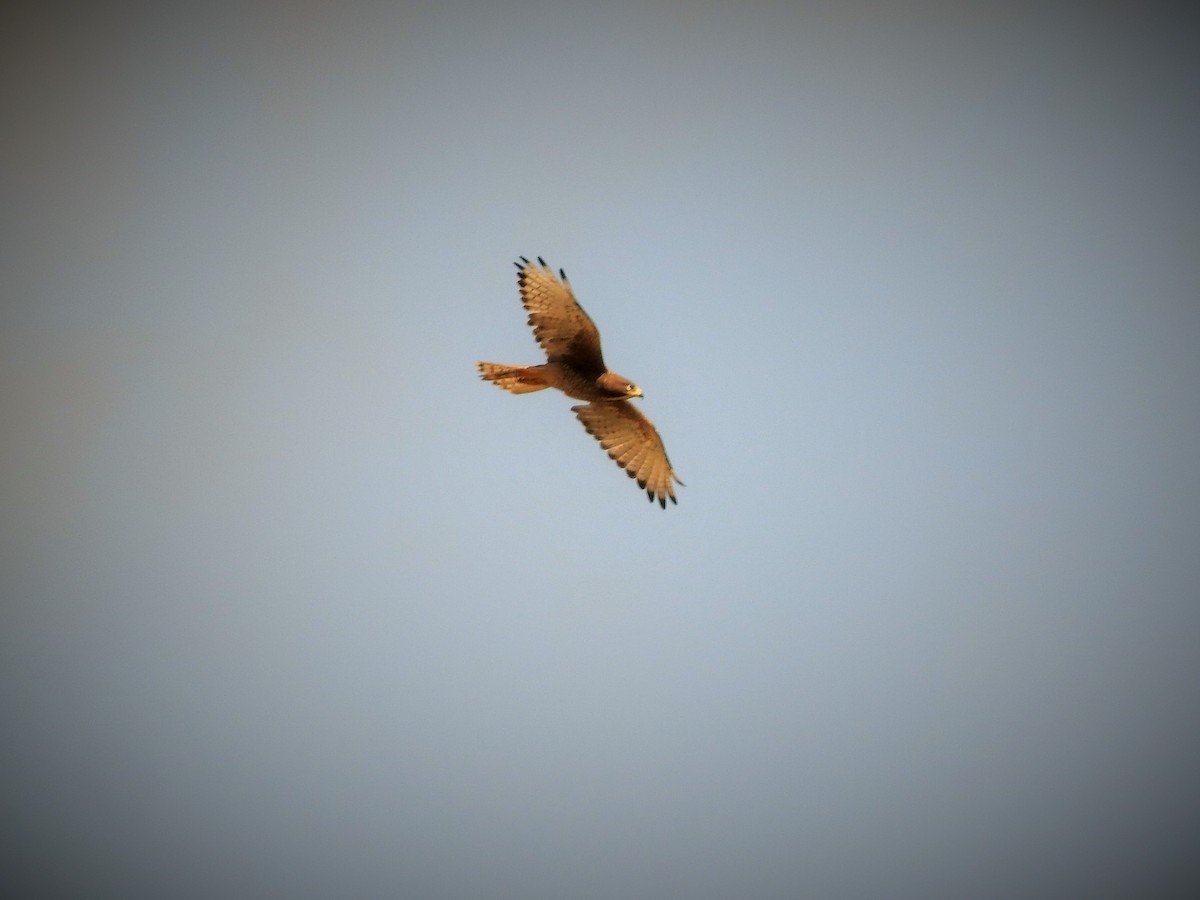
(618, 386)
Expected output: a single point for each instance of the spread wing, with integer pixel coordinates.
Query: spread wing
(633, 443)
(559, 323)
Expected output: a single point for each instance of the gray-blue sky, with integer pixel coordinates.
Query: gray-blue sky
(294, 605)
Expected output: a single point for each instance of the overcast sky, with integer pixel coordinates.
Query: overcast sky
(295, 606)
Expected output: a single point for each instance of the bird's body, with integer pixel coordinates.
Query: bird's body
(575, 366)
(572, 382)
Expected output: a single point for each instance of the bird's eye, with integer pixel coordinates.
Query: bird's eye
(631, 387)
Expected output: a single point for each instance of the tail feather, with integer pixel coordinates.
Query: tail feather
(518, 379)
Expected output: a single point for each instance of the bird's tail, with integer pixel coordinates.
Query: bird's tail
(518, 379)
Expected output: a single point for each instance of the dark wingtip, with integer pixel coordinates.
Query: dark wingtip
(562, 274)
(541, 261)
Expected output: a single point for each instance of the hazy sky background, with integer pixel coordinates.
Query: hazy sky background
(295, 606)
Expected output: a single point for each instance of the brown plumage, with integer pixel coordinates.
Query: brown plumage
(575, 366)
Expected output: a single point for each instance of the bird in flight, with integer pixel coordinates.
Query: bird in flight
(575, 366)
